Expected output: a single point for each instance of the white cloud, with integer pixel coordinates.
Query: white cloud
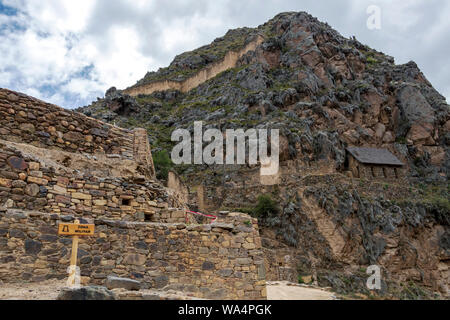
(69, 52)
(125, 64)
(59, 15)
(84, 87)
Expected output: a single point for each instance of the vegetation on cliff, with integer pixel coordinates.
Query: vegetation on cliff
(325, 93)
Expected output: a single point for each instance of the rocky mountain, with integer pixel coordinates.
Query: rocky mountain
(325, 93)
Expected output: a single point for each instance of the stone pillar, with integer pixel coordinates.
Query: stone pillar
(174, 182)
(365, 171)
(142, 151)
(378, 171)
(389, 172)
(400, 172)
(353, 166)
(200, 198)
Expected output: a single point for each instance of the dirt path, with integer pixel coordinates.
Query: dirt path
(49, 290)
(288, 291)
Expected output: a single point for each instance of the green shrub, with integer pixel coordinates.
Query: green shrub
(436, 196)
(265, 207)
(401, 140)
(372, 61)
(163, 164)
(439, 202)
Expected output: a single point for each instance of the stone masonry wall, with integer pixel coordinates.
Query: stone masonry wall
(280, 264)
(219, 261)
(27, 183)
(360, 170)
(246, 185)
(142, 151)
(179, 188)
(229, 61)
(24, 119)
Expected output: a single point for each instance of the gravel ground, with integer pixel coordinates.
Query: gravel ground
(291, 291)
(49, 290)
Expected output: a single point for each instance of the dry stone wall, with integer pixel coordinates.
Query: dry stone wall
(229, 61)
(280, 264)
(219, 261)
(246, 184)
(361, 170)
(24, 119)
(54, 168)
(27, 183)
(142, 151)
(177, 186)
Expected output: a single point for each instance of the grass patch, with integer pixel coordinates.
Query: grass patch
(372, 61)
(234, 40)
(266, 206)
(163, 164)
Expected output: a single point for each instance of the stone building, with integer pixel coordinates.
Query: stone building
(373, 163)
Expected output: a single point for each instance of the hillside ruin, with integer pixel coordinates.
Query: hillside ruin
(57, 165)
(363, 179)
(328, 95)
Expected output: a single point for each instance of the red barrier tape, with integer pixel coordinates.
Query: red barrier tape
(210, 216)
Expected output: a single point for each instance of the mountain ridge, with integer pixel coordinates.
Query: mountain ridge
(185, 84)
(324, 93)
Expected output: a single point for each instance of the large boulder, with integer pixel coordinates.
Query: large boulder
(414, 111)
(119, 103)
(86, 293)
(253, 78)
(122, 283)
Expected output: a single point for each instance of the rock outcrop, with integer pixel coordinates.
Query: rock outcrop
(325, 93)
(307, 80)
(122, 283)
(86, 294)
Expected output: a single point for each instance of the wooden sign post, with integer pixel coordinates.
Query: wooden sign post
(76, 230)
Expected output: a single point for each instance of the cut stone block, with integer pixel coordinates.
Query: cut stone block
(122, 283)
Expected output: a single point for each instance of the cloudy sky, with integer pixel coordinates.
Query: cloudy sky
(70, 52)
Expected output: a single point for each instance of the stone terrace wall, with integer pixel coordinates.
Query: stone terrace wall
(247, 184)
(229, 61)
(28, 120)
(280, 264)
(142, 151)
(26, 183)
(219, 261)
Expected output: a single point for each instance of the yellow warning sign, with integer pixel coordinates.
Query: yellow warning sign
(69, 229)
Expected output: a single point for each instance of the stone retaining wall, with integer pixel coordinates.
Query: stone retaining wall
(229, 61)
(27, 183)
(219, 261)
(25, 119)
(247, 184)
(280, 264)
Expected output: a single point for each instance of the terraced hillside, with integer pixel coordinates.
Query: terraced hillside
(325, 93)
